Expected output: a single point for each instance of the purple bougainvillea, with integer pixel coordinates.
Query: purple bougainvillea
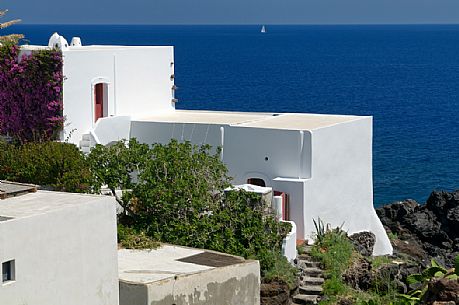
(30, 94)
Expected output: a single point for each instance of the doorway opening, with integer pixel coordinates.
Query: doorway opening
(100, 101)
(256, 181)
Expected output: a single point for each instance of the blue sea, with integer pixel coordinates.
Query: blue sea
(406, 77)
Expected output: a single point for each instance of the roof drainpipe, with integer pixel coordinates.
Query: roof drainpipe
(300, 152)
(222, 138)
(114, 86)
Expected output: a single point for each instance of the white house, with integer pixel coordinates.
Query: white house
(320, 165)
(58, 248)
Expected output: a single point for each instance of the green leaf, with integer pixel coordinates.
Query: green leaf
(439, 274)
(408, 297)
(415, 278)
(453, 277)
(416, 293)
(434, 263)
(431, 271)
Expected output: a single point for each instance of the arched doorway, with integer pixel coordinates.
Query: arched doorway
(100, 101)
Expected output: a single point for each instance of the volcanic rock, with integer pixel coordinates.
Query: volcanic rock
(442, 290)
(363, 242)
(425, 231)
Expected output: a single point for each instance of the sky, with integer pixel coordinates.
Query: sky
(233, 11)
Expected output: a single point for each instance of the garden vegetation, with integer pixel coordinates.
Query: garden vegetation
(176, 193)
(336, 253)
(31, 94)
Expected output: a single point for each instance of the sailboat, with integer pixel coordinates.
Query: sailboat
(263, 29)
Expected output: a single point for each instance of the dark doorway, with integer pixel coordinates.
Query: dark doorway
(256, 181)
(99, 100)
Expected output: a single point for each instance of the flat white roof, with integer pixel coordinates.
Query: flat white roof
(301, 121)
(168, 261)
(42, 202)
(204, 117)
(288, 121)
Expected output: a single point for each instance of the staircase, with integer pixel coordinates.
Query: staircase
(86, 143)
(311, 280)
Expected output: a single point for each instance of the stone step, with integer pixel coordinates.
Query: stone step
(313, 272)
(86, 137)
(307, 249)
(310, 280)
(311, 264)
(305, 299)
(311, 289)
(305, 257)
(85, 143)
(85, 149)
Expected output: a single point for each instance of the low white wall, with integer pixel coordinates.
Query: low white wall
(163, 132)
(244, 149)
(295, 188)
(231, 285)
(67, 256)
(289, 243)
(112, 129)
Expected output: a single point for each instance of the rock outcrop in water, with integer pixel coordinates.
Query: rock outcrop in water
(425, 231)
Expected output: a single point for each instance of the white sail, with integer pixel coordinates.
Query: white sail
(263, 29)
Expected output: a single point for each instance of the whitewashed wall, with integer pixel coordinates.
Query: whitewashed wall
(246, 149)
(327, 172)
(139, 83)
(143, 80)
(341, 188)
(163, 132)
(295, 188)
(66, 256)
(81, 70)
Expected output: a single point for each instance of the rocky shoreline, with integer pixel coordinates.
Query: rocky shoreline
(418, 233)
(424, 231)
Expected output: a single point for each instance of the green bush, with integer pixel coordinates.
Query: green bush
(54, 165)
(334, 251)
(131, 239)
(281, 271)
(175, 194)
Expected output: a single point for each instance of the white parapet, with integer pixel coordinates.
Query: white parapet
(289, 243)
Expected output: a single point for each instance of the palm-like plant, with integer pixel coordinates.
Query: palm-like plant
(12, 38)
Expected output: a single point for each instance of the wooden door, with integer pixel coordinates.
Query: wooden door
(99, 101)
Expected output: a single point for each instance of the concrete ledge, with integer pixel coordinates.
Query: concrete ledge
(169, 276)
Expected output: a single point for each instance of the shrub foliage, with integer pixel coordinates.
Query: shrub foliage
(173, 193)
(54, 165)
(176, 195)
